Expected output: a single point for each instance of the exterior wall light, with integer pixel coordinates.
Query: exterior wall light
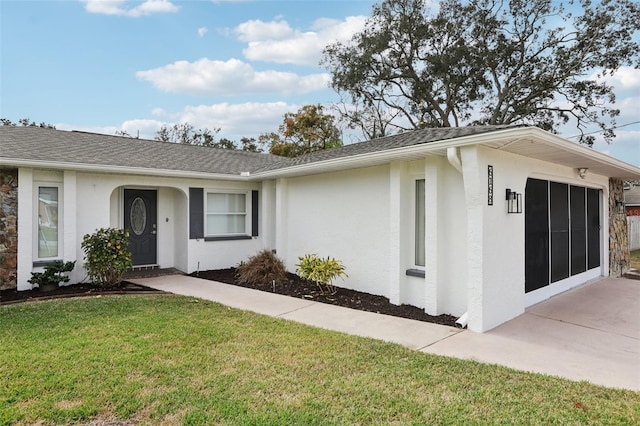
(620, 209)
(514, 202)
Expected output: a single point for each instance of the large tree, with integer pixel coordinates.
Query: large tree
(536, 62)
(308, 130)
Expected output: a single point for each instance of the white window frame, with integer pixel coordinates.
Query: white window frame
(36, 221)
(416, 237)
(246, 213)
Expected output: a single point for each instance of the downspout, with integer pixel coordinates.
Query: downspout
(453, 155)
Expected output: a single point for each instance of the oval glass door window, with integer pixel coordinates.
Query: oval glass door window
(138, 216)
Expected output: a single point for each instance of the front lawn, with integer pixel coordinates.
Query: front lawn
(177, 360)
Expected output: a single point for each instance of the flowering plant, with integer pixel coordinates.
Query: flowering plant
(107, 255)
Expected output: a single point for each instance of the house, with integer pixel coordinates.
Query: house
(632, 200)
(478, 222)
(632, 207)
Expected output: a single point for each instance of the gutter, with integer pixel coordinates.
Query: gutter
(99, 168)
(453, 155)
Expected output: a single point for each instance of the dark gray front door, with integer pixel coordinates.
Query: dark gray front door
(140, 211)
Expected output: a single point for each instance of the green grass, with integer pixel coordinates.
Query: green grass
(178, 360)
(635, 259)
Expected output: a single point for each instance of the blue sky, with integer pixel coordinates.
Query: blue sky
(127, 65)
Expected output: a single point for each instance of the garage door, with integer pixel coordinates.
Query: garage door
(562, 232)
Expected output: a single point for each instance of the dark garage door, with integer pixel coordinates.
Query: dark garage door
(562, 231)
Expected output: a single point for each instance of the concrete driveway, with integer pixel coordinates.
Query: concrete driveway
(590, 333)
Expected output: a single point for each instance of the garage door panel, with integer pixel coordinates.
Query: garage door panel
(562, 232)
(578, 230)
(536, 234)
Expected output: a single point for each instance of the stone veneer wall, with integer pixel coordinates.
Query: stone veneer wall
(8, 228)
(619, 257)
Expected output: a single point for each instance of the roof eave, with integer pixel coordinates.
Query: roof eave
(109, 169)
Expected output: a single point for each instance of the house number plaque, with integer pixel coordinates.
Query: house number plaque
(490, 185)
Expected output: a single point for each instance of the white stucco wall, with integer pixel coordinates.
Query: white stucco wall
(475, 258)
(344, 215)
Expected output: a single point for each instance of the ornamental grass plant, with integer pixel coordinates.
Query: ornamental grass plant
(262, 268)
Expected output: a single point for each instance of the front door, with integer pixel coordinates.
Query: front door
(140, 211)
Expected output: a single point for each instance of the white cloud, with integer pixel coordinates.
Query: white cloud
(278, 42)
(119, 7)
(626, 78)
(145, 129)
(202, 31)
(237, 120)
(625, 147)
(257, 30)
(227, 78)
(248, 119)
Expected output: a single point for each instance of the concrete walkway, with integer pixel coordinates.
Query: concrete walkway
(590, 333)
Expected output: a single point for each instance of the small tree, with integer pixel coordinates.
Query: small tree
(107, 256)
(53, 275)
(308, 130)
(321, 271)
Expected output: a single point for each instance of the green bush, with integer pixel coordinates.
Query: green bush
(53, 275)
(262, 268)
(107, 256)
(321, 271)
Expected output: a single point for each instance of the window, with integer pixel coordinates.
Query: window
(226, 214)
(420, 223)
(48, 232)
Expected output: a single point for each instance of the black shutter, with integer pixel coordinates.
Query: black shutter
(196, 213)
(254, 213)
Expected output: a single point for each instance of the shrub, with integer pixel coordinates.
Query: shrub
(53, 274)
(321, 271)
(262, 268)
(107, 255)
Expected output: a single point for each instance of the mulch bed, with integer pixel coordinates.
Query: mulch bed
(297, 287)
(74, 290)
(293, 287)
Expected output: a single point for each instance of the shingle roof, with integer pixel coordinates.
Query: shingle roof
(49, 145)
(402, 140)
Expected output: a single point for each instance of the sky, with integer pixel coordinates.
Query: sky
(238, 65)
